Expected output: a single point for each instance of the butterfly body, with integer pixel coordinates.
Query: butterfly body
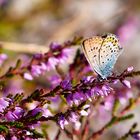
(102, 53)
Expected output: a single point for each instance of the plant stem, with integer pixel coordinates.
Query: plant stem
(23, 48)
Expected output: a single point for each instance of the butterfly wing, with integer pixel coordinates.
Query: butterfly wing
(91, 49)
(109, 52)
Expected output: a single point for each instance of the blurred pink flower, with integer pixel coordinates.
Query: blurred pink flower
(126, 83)
(128, 29)
(4, 102)
(2, 138)
(3, 57)
(28, 76)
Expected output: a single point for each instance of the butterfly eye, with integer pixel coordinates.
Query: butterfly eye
(104, 36)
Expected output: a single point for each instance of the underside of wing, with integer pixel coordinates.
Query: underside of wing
(91, 49)
(109, 52)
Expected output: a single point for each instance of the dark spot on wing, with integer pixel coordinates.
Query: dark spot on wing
(104, 36)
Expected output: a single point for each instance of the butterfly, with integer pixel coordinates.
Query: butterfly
(102, 53)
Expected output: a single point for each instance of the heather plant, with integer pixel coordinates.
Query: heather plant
(75, 99)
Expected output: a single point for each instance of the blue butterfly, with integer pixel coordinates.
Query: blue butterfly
(102, 53)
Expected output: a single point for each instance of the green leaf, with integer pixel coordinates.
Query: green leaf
(77, 40)
(36, 134)
(118, 119)
(18, 98)
(115, 107)
(36, 117)
(127, 117)
(17, 124)
(18, 64)
(3, 129)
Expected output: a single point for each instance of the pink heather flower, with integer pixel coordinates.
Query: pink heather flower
(62, 122)
(123, 100)
(103, 114)
(67, 51)
(46, 112)
(4, 102)
(16, 114)
(89, 94)
(38, 56)
(77, 125)
(36, 70)
(78, 97)
(54, 80)
(86, 106)
(51, 64)
(14, 138)
(14, 87)
(28, 76)
(130, 69)
(32, 105)
(97, 91)
(62, 59)
(88, 79)
(66, 84)
(128, 29)
(124, 96)
(36, 111)
(87, 69)
(69, 99)
(108, 103)
(73, 117)
(136, 135)
(126, 83)
(43, 67)
(10, 116)
(54, 46)
(106, 89)
(3, 3)
(115, 81)
(65, 55)
(3, 57)
(2, 138)
(29, 138)
(84, 113)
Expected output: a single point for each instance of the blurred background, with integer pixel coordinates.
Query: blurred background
(42, 21)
